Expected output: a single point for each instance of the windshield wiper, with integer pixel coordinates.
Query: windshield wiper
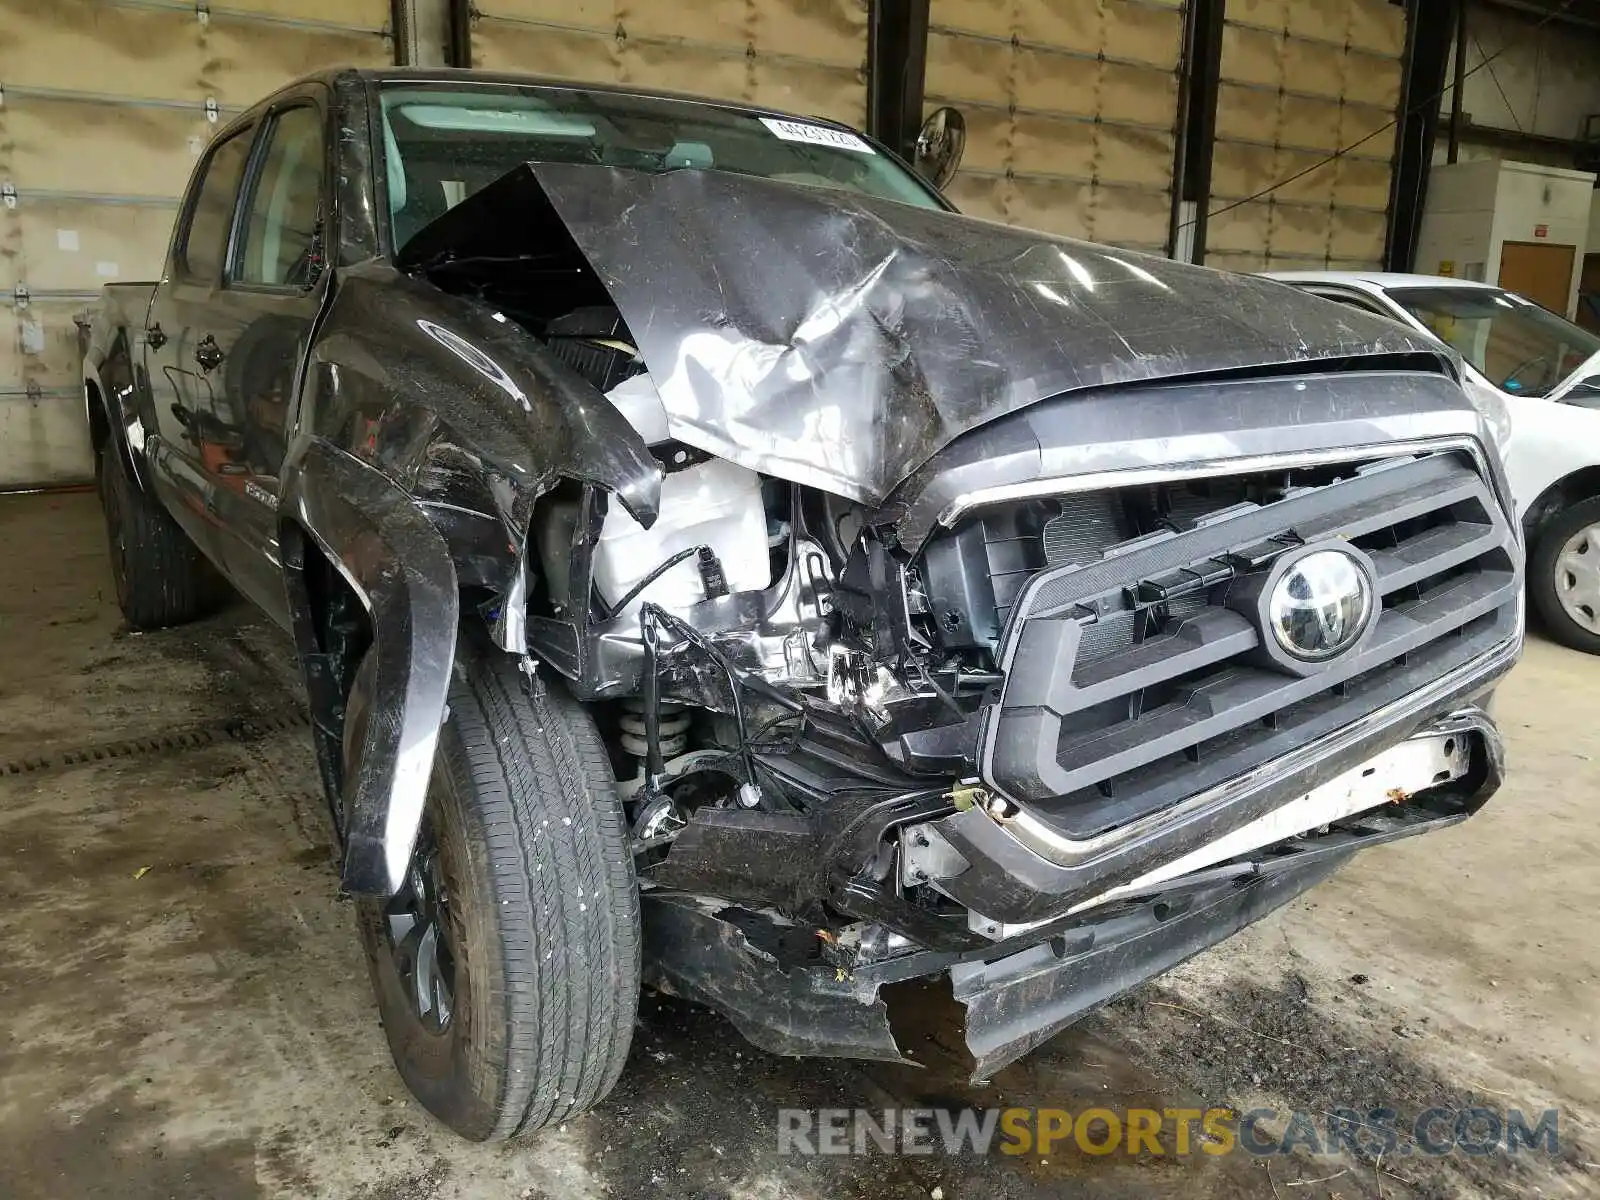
(447, 259)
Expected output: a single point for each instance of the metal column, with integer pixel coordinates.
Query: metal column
(1430, 28)
(897, 58)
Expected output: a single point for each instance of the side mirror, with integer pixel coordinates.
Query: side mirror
(1585, 393)
(940, 144)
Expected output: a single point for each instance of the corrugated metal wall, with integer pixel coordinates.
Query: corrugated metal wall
(806, 56)
(1301, 79)
(1071, 108)
(106, 104)
(1071, 112)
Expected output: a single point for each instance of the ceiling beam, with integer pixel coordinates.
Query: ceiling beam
(1582, 14)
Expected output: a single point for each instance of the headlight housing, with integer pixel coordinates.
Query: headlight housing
(1492, 407)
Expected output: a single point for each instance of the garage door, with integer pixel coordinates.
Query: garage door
(1301, 79)
(105, 106)
(806, 56)
(1071, 112)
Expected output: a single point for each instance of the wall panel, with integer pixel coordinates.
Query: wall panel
(806, 56)
(1071, 110)
(107, 106)
(1302, 79)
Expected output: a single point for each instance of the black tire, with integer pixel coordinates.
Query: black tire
(540, 916)
(161, 577)
(1546, 575)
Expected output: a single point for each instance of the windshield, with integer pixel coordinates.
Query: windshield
(444, 142)
(1516, 345)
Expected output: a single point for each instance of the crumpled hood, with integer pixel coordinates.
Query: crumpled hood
(840, 341)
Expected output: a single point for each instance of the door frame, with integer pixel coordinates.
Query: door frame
(249, 533)
(177, 466)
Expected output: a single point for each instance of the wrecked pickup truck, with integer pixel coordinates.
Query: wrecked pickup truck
(716, 563)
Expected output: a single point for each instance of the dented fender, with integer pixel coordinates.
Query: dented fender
(399, 565)
(458, 403)
(429, 426)
(471, 417)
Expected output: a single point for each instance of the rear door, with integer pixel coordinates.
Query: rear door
(257, 329)
(193, 442)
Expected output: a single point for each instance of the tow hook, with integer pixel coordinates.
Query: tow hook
(976, 796)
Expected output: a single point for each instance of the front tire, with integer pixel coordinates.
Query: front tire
(161, 577)
(516, 1010)
(1564, 576)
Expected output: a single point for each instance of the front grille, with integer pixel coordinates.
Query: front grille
(1130, 683)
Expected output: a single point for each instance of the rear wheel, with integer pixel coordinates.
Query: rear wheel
(161, 577)
(507, 966)
(1564, 576)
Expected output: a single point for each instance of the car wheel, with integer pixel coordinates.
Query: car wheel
(161, 577)
(1564, 576)
(507, 966)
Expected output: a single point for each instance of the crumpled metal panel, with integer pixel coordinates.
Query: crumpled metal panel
(840, 341)
(1016, 1004)
(369, 526)
(434, 393)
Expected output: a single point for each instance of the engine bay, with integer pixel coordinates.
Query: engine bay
(770, 660)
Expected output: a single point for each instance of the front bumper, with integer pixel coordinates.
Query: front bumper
(1018, 993)
(1016, 1004)
(1021, 991)
(1017, 871)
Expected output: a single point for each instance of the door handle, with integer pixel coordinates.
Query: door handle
(208, 354)
(153, 337)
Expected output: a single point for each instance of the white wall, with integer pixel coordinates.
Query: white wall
(1458, 221)
(1531, 196)
(1543, 81)
(1476, 206)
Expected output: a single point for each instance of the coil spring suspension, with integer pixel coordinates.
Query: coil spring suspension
(674, 729)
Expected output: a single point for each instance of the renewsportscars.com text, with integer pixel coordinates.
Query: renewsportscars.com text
(1166, 1131)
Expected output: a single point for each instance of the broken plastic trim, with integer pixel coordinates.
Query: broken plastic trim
(1016, 998)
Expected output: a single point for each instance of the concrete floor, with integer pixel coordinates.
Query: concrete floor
(187, 1014)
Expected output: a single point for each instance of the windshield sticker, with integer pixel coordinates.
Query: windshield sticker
(816, 135)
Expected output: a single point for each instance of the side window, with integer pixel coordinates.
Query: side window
(282, 234)
(205, 240)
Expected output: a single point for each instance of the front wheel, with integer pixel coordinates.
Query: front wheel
(507, 966)
(1564, 576)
